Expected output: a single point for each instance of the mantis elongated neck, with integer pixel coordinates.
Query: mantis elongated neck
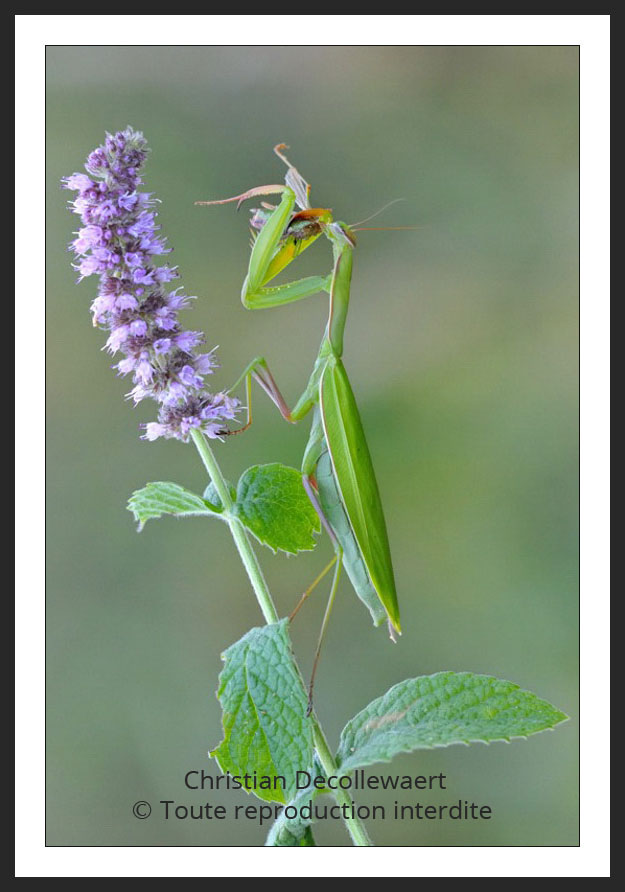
(339, 297)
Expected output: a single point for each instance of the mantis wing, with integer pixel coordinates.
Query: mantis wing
(355, 478)
(332, 504)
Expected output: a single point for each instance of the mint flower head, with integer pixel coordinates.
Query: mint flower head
(120, 242)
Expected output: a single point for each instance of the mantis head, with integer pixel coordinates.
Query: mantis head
(341, 234)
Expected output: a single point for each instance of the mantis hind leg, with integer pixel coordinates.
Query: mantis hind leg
(324, 625)
(337, 561)
(311, 588)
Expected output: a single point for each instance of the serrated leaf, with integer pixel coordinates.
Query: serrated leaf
(296, 831)
(292, 831)
(156, 499)
(272, 504)
(211, 496)
(438, 710)
(264, 704)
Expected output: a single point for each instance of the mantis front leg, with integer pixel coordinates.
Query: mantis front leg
(269, 257)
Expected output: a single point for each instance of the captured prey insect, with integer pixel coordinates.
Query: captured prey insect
(337, 469)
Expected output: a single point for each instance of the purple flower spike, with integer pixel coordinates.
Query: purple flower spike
(118, 242)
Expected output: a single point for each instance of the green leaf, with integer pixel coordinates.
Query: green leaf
(288, 831)
(307, 839)
(273, 505)
(294, 831)
(264, 703)
(156, 499)
(438, 710)
(211, 496)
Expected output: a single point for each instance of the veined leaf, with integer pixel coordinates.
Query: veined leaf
(211, 496)
(438, 710)
(156, 499)
(273, 505)
(264, 703)
(295, 831)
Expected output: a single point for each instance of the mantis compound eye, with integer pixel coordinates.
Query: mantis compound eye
(343, 233)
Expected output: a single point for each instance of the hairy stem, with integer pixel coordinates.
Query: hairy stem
(354, 825)
(356, 828)
(250, 561)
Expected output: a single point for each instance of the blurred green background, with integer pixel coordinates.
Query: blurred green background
(462, 349)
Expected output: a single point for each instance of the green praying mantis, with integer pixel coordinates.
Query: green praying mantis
(337, 470)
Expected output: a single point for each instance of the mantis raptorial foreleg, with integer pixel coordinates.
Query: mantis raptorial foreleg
(266, 263)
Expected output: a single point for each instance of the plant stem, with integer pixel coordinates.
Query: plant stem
(250, 561)
(354, 825)
(356, 828)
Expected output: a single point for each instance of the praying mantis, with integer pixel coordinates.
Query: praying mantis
(337, 471)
